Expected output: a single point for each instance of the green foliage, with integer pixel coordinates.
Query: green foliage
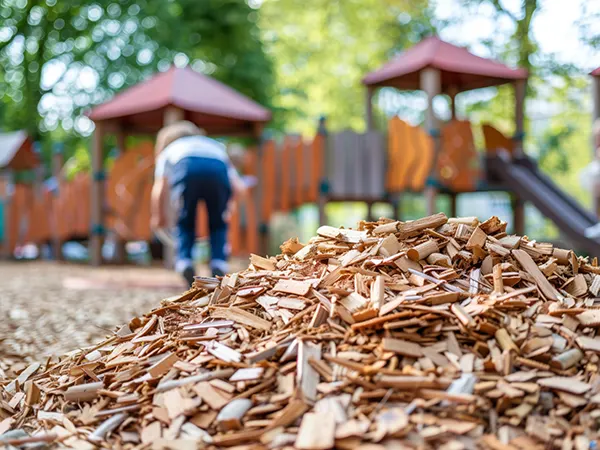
(59, 57)
(570, 131)
(323, 48)
(552, 155)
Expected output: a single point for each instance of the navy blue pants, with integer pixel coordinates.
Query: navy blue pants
(196, 179)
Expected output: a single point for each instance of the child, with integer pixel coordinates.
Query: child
(194, 167)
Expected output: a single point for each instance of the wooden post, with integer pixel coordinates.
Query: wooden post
(57, 165)
(518, 207)
(452, 92)
(5, 200)
(370, 217)
(323, 176)
(520, 91)
(431, 84)
(120, 256)
(97, 200)
(518, 203)
(596, 98)
(396, 206)
(453, 197)
(38, 171)
(369, 108)
(172, 114)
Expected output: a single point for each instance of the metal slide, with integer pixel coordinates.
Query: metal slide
(523, 177)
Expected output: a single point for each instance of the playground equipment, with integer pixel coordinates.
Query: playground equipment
(445, 159)
(16, 154)
(437, 67)
(329, 167)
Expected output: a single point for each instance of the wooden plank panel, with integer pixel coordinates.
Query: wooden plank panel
(337, 166)
(250, 208)
(251, 225)
(268, 179)
(375, 169)
(357, 184)
(423, 145)
(234, 232)
(393, 177)
(285, 186)
(404, 155)
(307, 167)
(123, 188)
(298, 172)
(316, 168)
(202, 221)
(458, 163)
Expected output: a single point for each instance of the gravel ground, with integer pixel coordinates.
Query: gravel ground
(47, 309)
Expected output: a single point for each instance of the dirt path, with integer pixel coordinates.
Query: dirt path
(49, 308)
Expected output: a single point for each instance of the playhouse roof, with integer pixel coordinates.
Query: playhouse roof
(207, 102)
(459, 68)
(16, 151)
(595, 73)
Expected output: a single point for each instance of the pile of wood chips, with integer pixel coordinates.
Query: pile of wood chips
(432, 334)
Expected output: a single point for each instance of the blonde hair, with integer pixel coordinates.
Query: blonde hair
(176, 130)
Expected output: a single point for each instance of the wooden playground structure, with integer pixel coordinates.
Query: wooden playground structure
(294, 170)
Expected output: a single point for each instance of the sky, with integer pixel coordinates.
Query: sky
(554, 28)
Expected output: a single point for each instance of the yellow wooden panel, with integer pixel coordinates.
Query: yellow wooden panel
(402, 155)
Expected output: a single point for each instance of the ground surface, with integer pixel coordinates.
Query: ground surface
(49, 308)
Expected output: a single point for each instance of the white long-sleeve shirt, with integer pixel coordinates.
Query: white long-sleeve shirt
(184, 147)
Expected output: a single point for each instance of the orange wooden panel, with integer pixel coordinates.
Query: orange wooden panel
(251, 225)
(250, 164)
(423, 147)
(39, 226)
(201, 221)
(139, 221)
(317, 150)
(268, 180)
(458, 163)
(250, 230)
(235, 232)
(402, 155)
(285, 181)
(63, 211)
(495, 140)
(84, 187)
(19, 216)
(126, 181)
(299, 169)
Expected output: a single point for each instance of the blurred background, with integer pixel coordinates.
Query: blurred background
(304, 62)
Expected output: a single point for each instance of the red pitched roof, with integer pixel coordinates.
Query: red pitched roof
(595, 73)
(16, 151)
(206, 101)
(458, 66)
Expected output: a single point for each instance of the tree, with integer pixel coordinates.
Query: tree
(58, 58)
(323, 48)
